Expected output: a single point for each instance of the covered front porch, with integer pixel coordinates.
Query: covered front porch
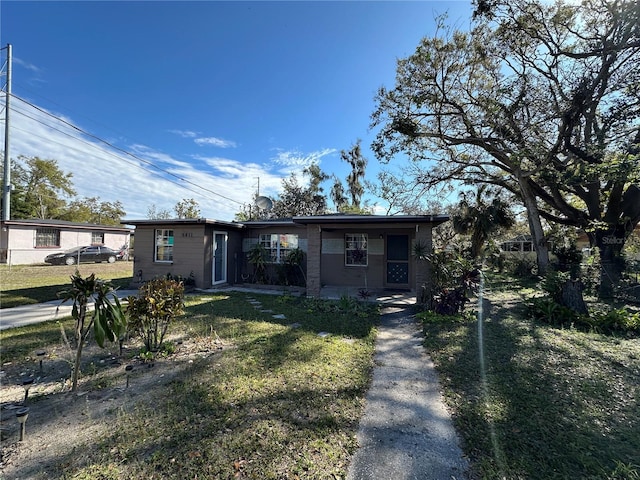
(382, 296)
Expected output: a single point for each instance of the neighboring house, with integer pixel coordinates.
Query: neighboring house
(521, 243)
(364, 251)
(30, 241)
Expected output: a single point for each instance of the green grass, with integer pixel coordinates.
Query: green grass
(534, 402)
(16, 344)
(281, 403)
(29, 284)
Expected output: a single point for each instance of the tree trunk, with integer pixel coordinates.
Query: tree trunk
(76, 366)
(610, 243)
(79, 343)
(572, 296)
(535, 226)
(476, 245)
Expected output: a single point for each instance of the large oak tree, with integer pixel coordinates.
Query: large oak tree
(541, 99)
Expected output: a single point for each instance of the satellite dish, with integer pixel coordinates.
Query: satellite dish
(264, 203)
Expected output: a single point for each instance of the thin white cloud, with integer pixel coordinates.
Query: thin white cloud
(155, 157)
(184, 133)
(247, 176)
(27, 65)
(204, 141)
(100, 171)
(294, 161)
(216, 142)
(151, 177)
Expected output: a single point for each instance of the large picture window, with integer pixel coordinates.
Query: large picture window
(278, 245)
(164, 245)
(47, 237)
(355, 249)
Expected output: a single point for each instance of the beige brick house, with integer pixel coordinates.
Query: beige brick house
(364, 251)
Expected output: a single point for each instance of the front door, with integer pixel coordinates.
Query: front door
(219, 257)
(398, 260)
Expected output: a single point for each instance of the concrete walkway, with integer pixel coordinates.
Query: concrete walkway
(406, 432)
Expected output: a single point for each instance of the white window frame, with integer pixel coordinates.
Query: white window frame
(163, 239)
(278, 245)
(356, 242)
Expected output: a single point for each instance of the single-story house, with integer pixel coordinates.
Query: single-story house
(364, 251)
(30, 241)
(521, 243)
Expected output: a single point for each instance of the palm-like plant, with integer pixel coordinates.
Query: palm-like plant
(108, 320)
(257, 257)
(480, 217)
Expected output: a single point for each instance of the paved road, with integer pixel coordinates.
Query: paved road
(42, 312)
(405, 432)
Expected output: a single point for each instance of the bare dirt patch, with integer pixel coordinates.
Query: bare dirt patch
(60, 421)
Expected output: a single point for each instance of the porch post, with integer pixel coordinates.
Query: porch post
(314, 254)
(423, 267)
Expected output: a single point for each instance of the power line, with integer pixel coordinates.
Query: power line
(114, 147)
(106, 152)
(95, 137)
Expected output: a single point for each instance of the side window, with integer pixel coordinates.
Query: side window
(47, 237)
(97, 238)
(164, 245)
(355, 249)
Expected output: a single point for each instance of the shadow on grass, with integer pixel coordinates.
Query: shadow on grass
(30, 296)
(547, 403)
(205, 432)
(283, 400)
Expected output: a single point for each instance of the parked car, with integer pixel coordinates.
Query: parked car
(89, 254)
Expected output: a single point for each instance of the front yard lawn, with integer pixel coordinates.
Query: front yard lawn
(29, 284)
(536, 402)
(276, 400)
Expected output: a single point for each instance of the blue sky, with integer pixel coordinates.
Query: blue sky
(200, 99)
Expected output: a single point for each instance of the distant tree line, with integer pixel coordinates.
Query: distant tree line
(41, 190)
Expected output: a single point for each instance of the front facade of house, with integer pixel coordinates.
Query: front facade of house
(30, 241)
(368, 252)
(209, 251)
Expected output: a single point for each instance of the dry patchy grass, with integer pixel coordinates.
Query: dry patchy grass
(536, 402)
(245, 395)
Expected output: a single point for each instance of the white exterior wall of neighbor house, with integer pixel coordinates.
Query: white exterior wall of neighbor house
(21, 242)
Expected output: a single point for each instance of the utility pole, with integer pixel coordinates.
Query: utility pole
(6, 184)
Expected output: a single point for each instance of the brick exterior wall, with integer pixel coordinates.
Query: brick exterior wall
(423, 268)
(314, 256)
